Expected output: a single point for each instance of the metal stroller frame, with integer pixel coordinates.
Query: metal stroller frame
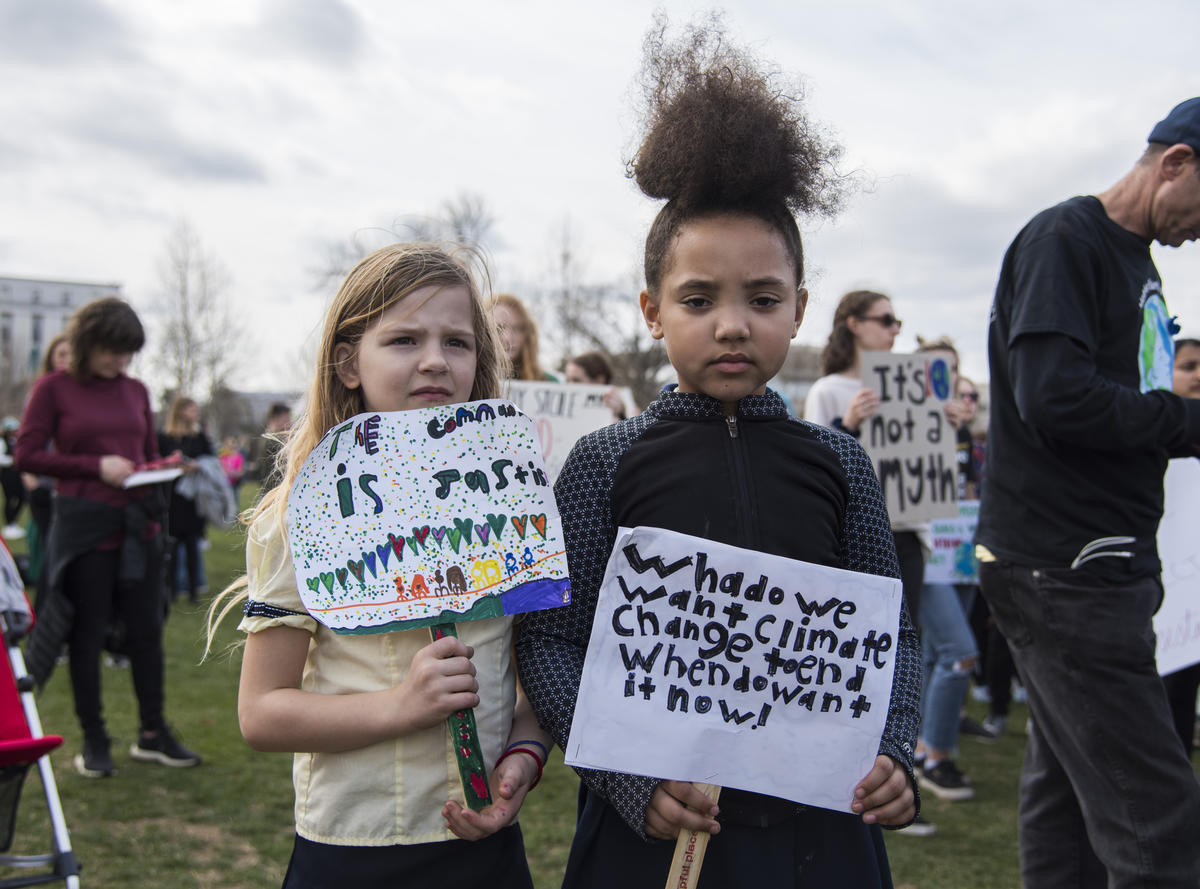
(22, 744)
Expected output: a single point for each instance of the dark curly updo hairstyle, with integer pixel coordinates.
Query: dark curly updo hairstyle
(723, 135)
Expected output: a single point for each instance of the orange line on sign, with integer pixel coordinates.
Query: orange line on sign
(398, 599)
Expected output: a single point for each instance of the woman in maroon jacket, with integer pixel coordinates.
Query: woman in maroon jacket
(103, 556)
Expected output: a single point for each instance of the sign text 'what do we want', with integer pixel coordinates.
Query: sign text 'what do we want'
(424, 517)
(712, 663)
(909, 439)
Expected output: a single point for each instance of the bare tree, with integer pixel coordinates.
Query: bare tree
(604, 317)
(199, 343)
(463, 219)
(467, 220)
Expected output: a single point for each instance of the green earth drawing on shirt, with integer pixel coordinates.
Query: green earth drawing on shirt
(1156, 350)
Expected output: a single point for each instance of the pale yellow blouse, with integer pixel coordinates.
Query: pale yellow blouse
(391, 792)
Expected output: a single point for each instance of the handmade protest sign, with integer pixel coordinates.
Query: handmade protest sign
(953, 557)
(909, 439)
(716, 664)
(1177, 622)
(425, 517)
(564, 413)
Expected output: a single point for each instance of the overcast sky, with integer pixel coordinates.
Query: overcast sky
(278, 127)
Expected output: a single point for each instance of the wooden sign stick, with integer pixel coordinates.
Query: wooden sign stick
(471, 770)
(690, 849)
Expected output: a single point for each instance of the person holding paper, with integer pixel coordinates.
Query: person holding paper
(378, 792)
(864, 321)
(104, 553)
(1082, 424)
(717, 456)
(594, 367)
(1182, 685)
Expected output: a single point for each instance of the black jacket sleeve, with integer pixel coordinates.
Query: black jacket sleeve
(1059, 391)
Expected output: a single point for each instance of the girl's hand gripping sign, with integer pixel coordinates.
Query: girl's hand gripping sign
(427, 517)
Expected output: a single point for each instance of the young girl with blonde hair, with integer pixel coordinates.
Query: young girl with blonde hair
(378, 799)
(518, 337)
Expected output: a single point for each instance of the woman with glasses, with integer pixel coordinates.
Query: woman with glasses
(864, 320)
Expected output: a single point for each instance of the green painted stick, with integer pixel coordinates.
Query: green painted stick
(464, 736)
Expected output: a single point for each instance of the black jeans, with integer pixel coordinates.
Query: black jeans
(91, 583)
(912, 570)
(1107, 796)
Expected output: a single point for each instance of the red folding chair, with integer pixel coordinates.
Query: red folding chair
(22, 745)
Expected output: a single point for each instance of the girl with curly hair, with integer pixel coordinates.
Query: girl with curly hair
(717, 456)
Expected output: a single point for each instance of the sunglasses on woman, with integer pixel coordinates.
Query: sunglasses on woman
(884, 320)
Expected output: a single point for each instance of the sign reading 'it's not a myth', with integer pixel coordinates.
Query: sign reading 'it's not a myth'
(908, 438)
(424, 517)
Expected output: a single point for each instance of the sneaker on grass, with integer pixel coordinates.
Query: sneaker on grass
(162, 748)
(919, 828)
(945, 781)
(976, 729)
(96, 759)
(997, 725)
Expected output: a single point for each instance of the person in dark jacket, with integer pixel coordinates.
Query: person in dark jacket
(1083, 421)
(103, 555)
(185, 525)
(717, 456)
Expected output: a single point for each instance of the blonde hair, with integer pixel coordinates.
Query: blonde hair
(176, 426)
(526, 366)
(377, 283)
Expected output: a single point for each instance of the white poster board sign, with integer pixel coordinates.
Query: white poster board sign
(953, 557)
(909, 439)
(564, 413)
(1177, 623)
(424, 517)
(712, 663)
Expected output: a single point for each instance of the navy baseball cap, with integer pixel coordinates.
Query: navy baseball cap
(1181, 125)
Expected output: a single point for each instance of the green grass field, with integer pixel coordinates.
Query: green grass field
(228, 822)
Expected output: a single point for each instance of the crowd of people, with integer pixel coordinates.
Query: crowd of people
(1089, 396)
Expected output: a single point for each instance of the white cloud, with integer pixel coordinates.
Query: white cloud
(277, 127)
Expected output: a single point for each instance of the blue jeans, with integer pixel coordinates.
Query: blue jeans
(946, 641)
(1107, 796)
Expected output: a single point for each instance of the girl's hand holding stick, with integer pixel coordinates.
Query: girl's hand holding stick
(517, 772)
(692, 843)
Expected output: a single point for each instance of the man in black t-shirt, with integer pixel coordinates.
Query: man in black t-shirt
(1082, 424)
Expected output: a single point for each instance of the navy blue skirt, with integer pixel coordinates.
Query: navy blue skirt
(813, 849)
(496, 861)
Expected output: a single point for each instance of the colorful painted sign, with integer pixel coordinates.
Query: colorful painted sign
(426, 517)
(564, 413)
(953, 556)
(909, 439)
(716, 664)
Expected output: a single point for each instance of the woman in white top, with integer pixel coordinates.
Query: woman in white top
(864, 320)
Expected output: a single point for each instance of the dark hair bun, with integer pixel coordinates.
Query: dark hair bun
(720, 132)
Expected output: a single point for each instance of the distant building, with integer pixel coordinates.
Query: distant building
(801, 369)
(33, 312)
